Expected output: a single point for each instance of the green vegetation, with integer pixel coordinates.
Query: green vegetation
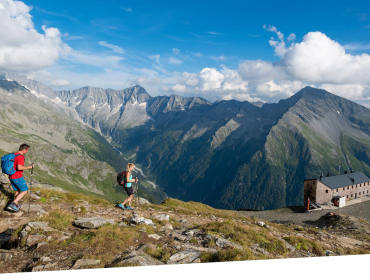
(306, 245)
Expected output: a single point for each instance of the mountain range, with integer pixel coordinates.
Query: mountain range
(227, 154)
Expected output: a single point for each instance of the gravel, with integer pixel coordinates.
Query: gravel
(297, 215)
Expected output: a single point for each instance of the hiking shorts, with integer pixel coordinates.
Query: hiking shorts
(129, 190)
(19, 184)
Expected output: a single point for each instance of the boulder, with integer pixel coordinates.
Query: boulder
(162, 217)
(200, 249)
(45, 259)
(187, 256)
(44, 267)
(33, 239)
(166, 227)
(122, 224)
(261, 224)
(92, 222)
(155, 236)
(39, 226)
(135, 219)
(35, 196)
(84, 262)
(138, 258)
(222, 242)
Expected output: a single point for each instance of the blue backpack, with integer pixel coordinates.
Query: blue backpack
(7, 164)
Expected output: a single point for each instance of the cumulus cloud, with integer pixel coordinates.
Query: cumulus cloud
(60, 83)
(218, 58)
(22, 47)
(197, 54)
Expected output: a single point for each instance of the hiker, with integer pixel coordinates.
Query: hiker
(128, 187)
(18, 183)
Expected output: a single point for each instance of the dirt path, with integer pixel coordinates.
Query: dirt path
(297, 214)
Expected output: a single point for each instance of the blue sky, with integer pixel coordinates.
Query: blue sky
(225, 48)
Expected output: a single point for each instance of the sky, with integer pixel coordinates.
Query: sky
(243, 50)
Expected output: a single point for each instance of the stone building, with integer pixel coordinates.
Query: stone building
(324, 189)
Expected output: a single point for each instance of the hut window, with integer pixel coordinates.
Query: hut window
(337, 190)
(327, 191)
(352, 195)
(347, 195)
(344, 189)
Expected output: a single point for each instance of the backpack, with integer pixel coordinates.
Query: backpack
(121, 178)
(7, 164)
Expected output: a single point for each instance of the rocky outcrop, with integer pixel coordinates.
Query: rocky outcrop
(92, 222)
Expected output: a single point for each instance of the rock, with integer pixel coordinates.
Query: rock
(44, 267)
(261, 224)
(40, 244)
(141, 260)
(45, 259)
(182, 221)
(33, 208)
(223, 243)
(32, 239)
(135, 219)
(35, 196)
(166, 227)
(187, 256)
(84, 262)
(5, 257)
(178, 236)
(138, 258)
(155, 236)
(330, 253)
(92, 222)
(122, 224)
(255, 248)
(39, 226)
(200, 249)
(143, 201)
(4, 238)
(163, 217)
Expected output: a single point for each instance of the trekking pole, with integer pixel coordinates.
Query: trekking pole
(138, 197)
(29, 199)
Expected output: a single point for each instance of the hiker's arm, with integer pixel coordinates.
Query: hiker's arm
(128, 178)
(22, 167)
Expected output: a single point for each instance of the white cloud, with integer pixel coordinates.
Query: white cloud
(155, 58)
(357, 47)
(291, 37)
(318, 59)
(218, 58)
(213, 33)
(197, 54)
(22, 47)
(114, 48)
(174, 60)
(175, 51)
(97, 60)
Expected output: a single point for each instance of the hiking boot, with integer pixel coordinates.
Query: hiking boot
(121, 206)
(12, 206)
(129, 208)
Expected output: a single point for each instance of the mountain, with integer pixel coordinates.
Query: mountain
(228, 154)
(67, 153)
(234, 154)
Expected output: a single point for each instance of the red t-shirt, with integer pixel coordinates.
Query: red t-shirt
(19, 160)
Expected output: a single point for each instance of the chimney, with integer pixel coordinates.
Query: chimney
(321, 177)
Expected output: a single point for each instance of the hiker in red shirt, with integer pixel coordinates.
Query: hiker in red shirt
(19, 184)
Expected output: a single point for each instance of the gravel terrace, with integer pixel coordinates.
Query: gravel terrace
(297, 215)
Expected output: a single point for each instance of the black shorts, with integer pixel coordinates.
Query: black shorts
(129, 190)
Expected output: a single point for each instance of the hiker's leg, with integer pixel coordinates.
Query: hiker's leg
(130, 199)
(125, 201)
(20, 196)
(21, 188)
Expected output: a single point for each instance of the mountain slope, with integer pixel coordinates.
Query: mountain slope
(67, 154)
(228, 154)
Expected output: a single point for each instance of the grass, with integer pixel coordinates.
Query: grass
(230, 255)
(304, 244)
(72, 198)
(162, 254)
(58, 219)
